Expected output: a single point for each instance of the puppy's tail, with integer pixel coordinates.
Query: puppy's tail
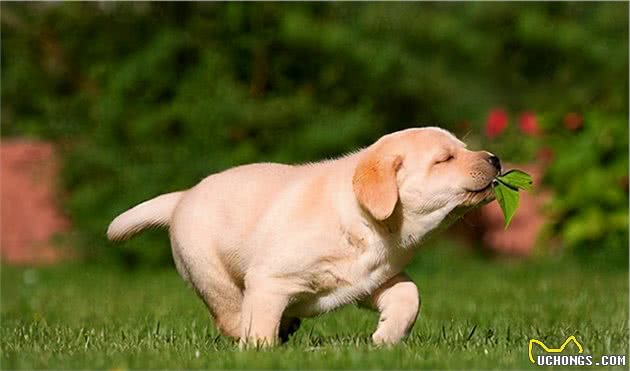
(155, 212)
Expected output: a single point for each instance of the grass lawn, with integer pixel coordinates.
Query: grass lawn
(476, 313)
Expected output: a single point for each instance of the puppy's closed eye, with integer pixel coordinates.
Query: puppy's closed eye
(443, 159)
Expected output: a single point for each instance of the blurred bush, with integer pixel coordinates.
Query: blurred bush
(586, 164)
(146, 98)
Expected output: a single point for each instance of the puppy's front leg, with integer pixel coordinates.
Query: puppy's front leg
(398, 302)
(263, 305)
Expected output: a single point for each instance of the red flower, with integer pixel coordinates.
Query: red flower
(528, 123)
(572, 121)
(497, 122)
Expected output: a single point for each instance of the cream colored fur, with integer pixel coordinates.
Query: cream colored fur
(266, 244)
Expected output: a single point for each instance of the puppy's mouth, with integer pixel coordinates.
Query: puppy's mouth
(485, 188)
(480, 196)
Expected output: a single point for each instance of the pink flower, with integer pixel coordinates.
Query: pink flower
(496, 123)
(572, 121)
(528, 123)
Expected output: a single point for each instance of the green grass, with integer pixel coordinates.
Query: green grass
(476, 313)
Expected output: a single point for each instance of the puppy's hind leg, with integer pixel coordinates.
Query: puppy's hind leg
(225, 306)
(224, 299)
(213, 285)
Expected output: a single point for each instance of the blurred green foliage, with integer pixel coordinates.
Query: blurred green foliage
(146, 98)
(589, 171)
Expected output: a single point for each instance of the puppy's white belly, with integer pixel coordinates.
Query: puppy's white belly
(314, 305)
(308, 305)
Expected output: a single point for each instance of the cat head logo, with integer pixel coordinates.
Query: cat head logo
(553, 350)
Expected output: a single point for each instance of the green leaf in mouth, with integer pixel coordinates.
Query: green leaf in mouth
(506, 191)
(516, 179)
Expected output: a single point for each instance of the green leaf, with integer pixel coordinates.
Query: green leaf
(507, 199)
(516, 179)
(506, 191)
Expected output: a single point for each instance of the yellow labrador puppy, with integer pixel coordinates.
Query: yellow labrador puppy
(267, 244)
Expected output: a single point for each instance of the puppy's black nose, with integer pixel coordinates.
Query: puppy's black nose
(494, 161)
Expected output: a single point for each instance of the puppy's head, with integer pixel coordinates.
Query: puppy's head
(424, 170)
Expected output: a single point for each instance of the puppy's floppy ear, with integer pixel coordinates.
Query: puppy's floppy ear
(374, 183)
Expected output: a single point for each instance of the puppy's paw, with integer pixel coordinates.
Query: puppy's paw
(380, 337)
